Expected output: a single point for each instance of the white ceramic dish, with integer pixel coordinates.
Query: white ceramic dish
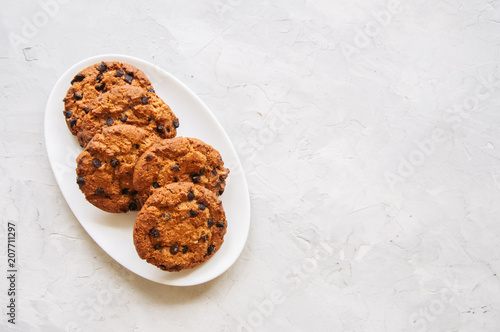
(113, 232)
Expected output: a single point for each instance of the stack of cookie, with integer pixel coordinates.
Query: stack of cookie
(132, 160)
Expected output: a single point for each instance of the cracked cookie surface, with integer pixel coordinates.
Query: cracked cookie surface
(180, 159)
(95, 80)
(180, 226)
(105, 167)
(128, 105)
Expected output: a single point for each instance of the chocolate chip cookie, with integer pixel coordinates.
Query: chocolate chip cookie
(105, 167)
(179, 159)
(94, 81)
(128, 105)
(180, 226)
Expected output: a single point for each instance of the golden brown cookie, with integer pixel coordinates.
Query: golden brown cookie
(94, 81)
(179, 159)
(180, 226)
(106, 166)
(128, 104)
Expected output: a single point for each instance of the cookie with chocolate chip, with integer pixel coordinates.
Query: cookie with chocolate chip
(180, 159)
(131, 105)
(105, 167)
(95, 80)
(180, 226)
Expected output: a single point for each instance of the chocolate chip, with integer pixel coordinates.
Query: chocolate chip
(149, 157)
(174, 249)
(210, 249)
(176, 179)
(132, 206)
(184, 249)
(163, 267)
(109, 122)
(128, 78)
(175, 123)
(72, 122)
(214, 171)
(195, 178)
(77, 95)
(158, 246)
(160, 129)
(154, 232)
(156, 185)
(68, 114)
(210, 222)
(203, 238)
(99, 191)
(202, 206)
(166, 216)
(77, 78)
(125, 191)
(119, 73)
(220, 224)
(144, 100)
(190, 195)
(193, 213)
(151, 90)
(114, 162)
(150, 118)
(136, 146)
(96, 162)
(133, 193)
(124, 118)
(80, 181)
(102, 67)
(175, 168)
(86, 110)
(100, 87)
(99, 77)
(221, 192)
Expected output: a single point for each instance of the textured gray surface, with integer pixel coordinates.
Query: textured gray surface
(368, 134)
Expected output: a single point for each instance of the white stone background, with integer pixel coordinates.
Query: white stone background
(369, 135)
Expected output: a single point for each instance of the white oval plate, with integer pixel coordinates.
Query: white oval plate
(113, 232)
